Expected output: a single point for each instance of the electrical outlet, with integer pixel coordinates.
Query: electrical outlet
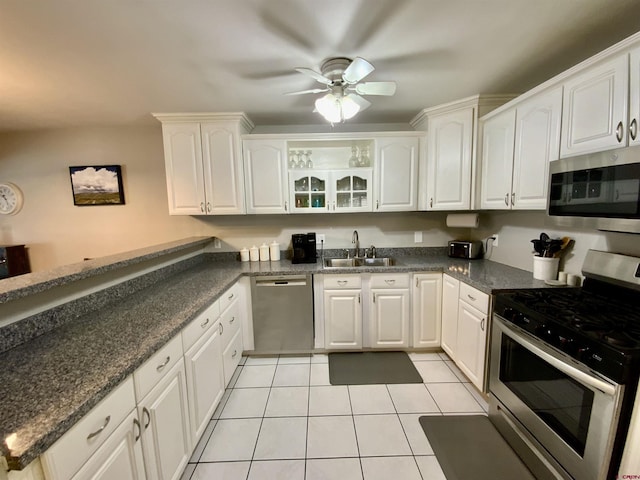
(217, 243)
(417, 237)
(320, 238)
(495, 241)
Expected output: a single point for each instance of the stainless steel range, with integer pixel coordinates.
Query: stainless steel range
(564, 369)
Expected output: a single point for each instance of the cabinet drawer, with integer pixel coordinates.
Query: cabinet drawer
(230, 323)
(391, 280)
(202, 323)
(229, 296)
(342, 281)
(65, 457)
(231, 357)
(474, 297)
(152, 371)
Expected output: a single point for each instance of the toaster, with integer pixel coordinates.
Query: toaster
(465, 249)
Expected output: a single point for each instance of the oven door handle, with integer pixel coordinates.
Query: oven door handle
(573, 372)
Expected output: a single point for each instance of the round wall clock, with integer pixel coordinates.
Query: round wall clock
(10, 199)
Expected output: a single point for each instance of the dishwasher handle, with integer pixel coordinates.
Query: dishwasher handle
(281, 282)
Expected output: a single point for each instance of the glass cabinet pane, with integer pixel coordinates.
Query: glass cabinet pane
(317, 184)
(302, 185)
(359, 184)
(343, 184)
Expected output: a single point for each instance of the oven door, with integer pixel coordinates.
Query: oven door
(570, 412)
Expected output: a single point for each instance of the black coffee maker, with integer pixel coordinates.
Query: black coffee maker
(304, 247)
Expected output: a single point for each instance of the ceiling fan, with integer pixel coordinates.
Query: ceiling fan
(341, 77)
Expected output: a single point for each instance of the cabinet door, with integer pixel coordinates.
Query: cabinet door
(472, 343)
(120, 457)
(450, 294)
(351, 190)
(205, 381)
(183, 168)
(397, 174)
(634, 97)
(310, 191)
(497, 160)
(594, 108)
(222, 161)
(342, 319)
(449, 147)
(389, 318)
(427, 310)
(166, 439)
(266, 176)
(537, 144)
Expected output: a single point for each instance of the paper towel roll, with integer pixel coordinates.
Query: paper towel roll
(463, 220)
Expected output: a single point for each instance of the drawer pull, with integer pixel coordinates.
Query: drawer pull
(482, 325)
(136, 424)
(389, 282)
(146, 412)
(205, 323)
(235, 352)
(163, 364)
(473, 299)
(233, 319)
(619, 132)
(230, 297)
(220, 328)
(99, 431)
(342, 282)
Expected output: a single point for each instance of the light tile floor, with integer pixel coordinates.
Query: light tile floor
(281, 419)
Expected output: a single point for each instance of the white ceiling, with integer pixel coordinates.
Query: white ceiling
(112, 62)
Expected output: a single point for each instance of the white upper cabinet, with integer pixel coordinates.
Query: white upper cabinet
(396, 174)
(498, 135)
(449, 158)
(594, 116)
(517, 146)
(265, 164)
(634, 97)
(203, 162)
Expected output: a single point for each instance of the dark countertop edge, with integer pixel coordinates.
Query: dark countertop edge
(235, 270)
(22, 285)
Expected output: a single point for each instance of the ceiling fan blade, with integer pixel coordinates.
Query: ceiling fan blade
(313, 90)
(315, 75)
(376, 88)
(362, 102)
(357, 70)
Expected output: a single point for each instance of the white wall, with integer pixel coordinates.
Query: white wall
(58, 233)
(517, 229)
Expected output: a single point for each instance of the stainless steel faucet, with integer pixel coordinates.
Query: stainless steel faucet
(356, 241)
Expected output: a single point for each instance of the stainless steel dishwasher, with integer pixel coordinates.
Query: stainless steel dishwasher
(282, 313)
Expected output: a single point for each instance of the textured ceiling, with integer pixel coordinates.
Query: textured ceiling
(113, 62)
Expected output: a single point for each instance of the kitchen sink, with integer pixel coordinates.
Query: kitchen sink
(358, 262)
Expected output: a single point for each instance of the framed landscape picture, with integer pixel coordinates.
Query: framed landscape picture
(97, 185)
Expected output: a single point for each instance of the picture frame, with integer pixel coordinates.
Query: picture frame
(93, 185)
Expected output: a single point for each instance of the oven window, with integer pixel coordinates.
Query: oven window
(558, 400)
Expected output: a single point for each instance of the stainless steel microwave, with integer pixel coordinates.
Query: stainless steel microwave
(600, 190)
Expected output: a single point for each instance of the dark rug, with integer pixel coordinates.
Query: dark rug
(362, 368)
(468, 447)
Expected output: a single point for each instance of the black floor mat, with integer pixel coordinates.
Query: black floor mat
(468, 447)
(363, 368)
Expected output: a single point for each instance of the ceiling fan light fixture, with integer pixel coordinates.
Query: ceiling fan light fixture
(349, 107)
(330, 108)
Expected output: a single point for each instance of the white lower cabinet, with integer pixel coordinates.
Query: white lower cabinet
(389, 310)
(471, 343)
(426, 310)
(450, 295)
(120, 457)
(230, 329)
(343, 319)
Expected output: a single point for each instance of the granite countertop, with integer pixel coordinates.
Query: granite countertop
(50, 382)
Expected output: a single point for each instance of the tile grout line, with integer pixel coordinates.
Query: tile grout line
(355, 431)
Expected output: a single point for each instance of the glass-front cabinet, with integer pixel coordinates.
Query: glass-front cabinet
(325, 191)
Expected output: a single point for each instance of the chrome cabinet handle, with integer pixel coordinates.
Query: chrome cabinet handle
(230, 297)
(506, 199)
(205, 323)
(482, 325)
(619, 132)
(285, 206)
(633, 129)
(358, 298)
(431, 202)
(235, 352)
(377, 204)
(232, 320)
(163, 364)
(471, 298)
(513, 199)
(208, 207)
(374, 298)
(220, 328)
(334, 206)
(390, 282)
(136, 424)
(99, 431)
(146, 412)
(202, 207)
(617, 194)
